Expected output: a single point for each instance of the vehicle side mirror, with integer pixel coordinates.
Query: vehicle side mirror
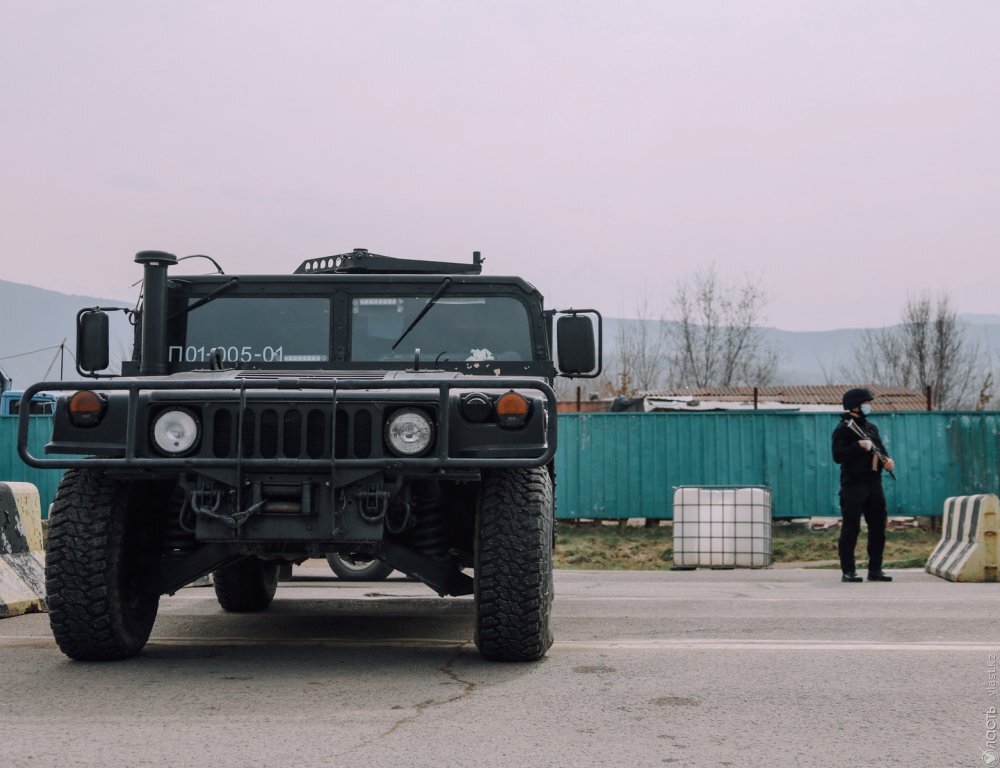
(92, 341)
(578, 352)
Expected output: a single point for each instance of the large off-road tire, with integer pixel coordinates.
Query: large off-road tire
(513, 564)
(98, 539)
(354, 568)
(246, 586)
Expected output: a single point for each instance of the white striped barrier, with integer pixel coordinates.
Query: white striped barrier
(968, 547)
(22, 559)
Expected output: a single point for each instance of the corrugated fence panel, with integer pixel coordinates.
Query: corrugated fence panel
(922, 479)
(12, 469)
(616, 465)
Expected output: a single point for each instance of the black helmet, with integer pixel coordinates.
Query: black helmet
(853, 398)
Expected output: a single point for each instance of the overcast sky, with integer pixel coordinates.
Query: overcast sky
(845, 153)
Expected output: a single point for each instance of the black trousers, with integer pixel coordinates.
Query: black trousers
(857, 500)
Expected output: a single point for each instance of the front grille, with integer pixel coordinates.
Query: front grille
(317, 427)
(222, 434)
(363, 434)
(268, 444)
(249, 431)
(292, 431)
(292, 439)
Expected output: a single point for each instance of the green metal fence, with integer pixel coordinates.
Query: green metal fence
(615, 465)
(12, 469)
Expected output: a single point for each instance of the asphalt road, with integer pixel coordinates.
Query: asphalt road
(701, 668)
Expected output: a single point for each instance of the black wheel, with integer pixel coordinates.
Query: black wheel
(97, 541)
(358, 568)
(246, 585)
(513, 562)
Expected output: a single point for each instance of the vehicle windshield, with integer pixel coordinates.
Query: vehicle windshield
(295, 331)
(251, 330)
(455, 329)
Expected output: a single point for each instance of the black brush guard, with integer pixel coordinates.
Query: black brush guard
(278, 389)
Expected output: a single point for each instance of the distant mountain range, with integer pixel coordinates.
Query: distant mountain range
(35, 322)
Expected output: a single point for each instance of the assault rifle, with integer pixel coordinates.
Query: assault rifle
(865, 436)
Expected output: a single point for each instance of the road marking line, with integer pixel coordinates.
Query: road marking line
(431, 597)
(775, 645)
(562, 645)
(750, 599)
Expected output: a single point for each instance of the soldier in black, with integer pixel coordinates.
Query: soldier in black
(861, 461)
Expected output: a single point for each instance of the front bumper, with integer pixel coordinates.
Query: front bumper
(124, 443)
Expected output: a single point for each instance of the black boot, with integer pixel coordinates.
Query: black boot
(851, 576)
(878, 576)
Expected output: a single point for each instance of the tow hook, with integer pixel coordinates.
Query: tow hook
(206, 501)
(372, 503)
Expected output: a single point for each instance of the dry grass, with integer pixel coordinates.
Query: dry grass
(602, 546)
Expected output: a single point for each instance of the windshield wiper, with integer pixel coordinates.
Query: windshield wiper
(427, 307)
(231, 283)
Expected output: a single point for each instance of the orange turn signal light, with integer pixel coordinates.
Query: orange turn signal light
(86, 408)
(512, 404)
(512, 409)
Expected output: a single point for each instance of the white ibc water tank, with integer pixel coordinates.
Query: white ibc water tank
(722, 527)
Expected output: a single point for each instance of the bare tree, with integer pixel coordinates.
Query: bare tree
(640, 352)
(985, 393)
(928, 348)
(880, 358)
(718, 339)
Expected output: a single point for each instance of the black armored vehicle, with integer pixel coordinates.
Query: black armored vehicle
(370, 406)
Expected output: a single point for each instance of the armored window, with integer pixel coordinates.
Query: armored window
(454, 329)
(254, 331)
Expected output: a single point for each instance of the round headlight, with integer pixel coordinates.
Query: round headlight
(175, 432)
(409, 433)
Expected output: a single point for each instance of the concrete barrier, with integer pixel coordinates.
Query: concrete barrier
(22, 558)
(968, 547)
